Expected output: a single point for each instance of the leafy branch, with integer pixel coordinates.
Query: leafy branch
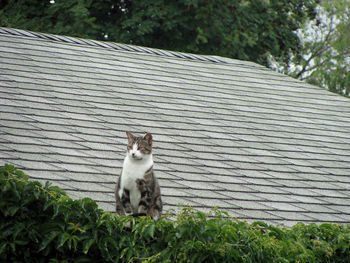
(47, 227)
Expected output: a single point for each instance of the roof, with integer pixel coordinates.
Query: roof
(227, 133)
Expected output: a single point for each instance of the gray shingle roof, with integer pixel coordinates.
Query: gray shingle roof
(228, 133)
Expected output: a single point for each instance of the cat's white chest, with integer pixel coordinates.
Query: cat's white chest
(133, 170)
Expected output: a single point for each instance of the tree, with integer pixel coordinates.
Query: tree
(69, 17)
(325, 55)
(243, 29)
(246, 30)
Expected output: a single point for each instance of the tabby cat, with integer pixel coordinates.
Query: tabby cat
(137, 191)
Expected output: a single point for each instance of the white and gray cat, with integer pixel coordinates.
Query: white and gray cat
(137, 191)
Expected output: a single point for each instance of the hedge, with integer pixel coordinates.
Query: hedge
(40, 223)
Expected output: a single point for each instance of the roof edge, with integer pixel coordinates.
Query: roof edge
(124, 47)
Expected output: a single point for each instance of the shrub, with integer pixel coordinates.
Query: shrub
(40, 223)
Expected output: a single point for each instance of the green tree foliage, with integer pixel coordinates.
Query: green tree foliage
(69, 17)
(307, 39)
(243, 29)
(325, 54)
(40, 223)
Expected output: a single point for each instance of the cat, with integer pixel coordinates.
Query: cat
(137, 191)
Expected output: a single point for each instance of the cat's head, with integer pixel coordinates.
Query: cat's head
(139, 148)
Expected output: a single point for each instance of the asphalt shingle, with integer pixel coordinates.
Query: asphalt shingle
(227, 133)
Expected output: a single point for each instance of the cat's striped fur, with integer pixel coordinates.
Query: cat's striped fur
(137, 191)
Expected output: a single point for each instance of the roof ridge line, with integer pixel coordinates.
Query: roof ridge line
(115, 45)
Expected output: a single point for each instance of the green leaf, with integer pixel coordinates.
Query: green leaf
(3, 247)
(124, 252)
(150, 230)
(19, 228)
(48, 240)
(62, 239)
(12, 210)
(7, 186)
(21, 242)
(87, 245)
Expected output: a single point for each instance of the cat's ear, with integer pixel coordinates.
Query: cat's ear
(131, 137)
(148, 138)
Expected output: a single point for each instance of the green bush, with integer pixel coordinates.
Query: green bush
(40, 223)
